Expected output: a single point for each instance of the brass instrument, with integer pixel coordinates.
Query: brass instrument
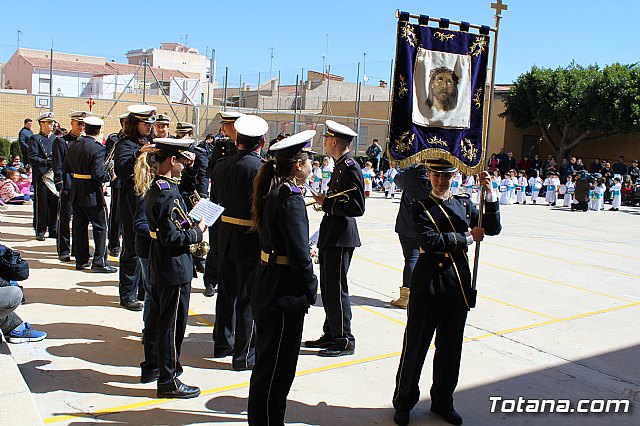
(183, 221)
(194, 198)
(109, 166)
(317, 207)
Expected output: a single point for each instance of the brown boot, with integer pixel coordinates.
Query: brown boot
(403, 300)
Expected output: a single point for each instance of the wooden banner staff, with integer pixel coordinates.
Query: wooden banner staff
(499, 7)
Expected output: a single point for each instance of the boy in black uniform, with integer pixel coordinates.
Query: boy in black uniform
(441, 293)
(337, 240)
(233, 333)
(170, 262)
(63, 183)
(45, 204)
(285, 284)
(222, 148)
(85, 163)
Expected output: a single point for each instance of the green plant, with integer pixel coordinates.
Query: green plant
(5, 148)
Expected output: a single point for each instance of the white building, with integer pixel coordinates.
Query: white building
(173, 56)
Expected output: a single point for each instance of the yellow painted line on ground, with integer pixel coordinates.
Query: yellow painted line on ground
(372, 311)
(200, 318)
(579, 247)
(575, 287)
(151, 402)
(572, 262)
(484, 297)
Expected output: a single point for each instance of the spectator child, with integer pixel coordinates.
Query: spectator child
(457, 183)
(9, 190)
(616, 190)
(521, 188)
(327, 170)
(504, 189)
(601, 189)
(316, 176)
(568, 195)
(390, 177)
(536, 184)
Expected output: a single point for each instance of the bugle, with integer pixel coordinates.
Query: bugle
(183, 221)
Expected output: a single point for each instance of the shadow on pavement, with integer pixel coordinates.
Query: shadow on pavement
(68, 297)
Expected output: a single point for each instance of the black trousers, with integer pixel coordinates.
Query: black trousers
(446, 316)
(334, 265)
(115, 229)
(129, 273)
(277, 348)
(410, 252)
(234, 330)
(173, 312)
(213, 257)
(64, 219)
(46, 208)
(97, 216)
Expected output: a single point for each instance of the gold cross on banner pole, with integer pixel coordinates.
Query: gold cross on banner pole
(499, 7)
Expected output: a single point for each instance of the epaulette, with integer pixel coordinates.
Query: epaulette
(350, 162)
(163, 184)
(294, 190)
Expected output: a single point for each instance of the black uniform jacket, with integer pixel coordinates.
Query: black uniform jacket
(222, 148)
(415, 185)
(110, 144)
(338, 227)
(170, 261)
(127, 151)
(59, 151)
(443, 265)
(284, 231)
(232, 183)
(40, 150)
(86, 157)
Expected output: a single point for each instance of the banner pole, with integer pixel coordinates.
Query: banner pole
(499, 7)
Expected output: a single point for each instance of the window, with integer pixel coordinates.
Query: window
(45, 85)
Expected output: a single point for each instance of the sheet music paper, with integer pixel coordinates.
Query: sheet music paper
(206, 210)
(313, 239)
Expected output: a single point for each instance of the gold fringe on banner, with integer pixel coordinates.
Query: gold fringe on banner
(433, 153)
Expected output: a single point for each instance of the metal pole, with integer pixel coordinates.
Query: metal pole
(258, 94)
(164, 93)
(295, 108)
(240, 93)
(278, 104)
(358, 117)
(144, 83)
(124, 90)
(357, 81)
(226, 79)
(476, 259)
(51, 78)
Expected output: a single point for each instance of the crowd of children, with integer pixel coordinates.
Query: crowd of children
(15, 182)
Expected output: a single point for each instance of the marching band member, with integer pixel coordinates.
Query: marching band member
(285, 285)
(45, 202)
(137, 130)
(232, 185)
(441, 293)
(170, 264)
(222, 147)
(616, 190)
(536, 184)
(115, 227)
(161, 126)
(600, 193)
(63, 184)
(504, 189)
(84, 162)
(521, 188)
(337, 240)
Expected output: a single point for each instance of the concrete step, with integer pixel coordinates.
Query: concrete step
(17, 406)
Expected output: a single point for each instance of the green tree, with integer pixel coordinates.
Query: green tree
(576, 104)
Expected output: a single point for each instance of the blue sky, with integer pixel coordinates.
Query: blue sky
(542, 32)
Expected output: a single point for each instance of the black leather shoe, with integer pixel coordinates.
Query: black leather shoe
(401, 417)
(115, 252)
(183, 391)
(323, 342)
(53, 235)
(339, 347)
(149, 376)
(133, 305)
(40, 237)
(83, 266)
(104, 269)
(210, 291)
(64, 258)
(449, 416)
(221, 353)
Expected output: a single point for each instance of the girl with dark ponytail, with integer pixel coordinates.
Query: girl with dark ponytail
(285, 285)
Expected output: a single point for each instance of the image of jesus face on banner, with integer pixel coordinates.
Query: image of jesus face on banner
(442, 90)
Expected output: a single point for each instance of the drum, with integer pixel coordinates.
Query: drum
(562, 190)
(47, 178)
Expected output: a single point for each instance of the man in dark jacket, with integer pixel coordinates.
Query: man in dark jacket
(23, 138)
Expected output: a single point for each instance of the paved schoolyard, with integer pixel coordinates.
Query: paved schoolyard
(557, 318)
